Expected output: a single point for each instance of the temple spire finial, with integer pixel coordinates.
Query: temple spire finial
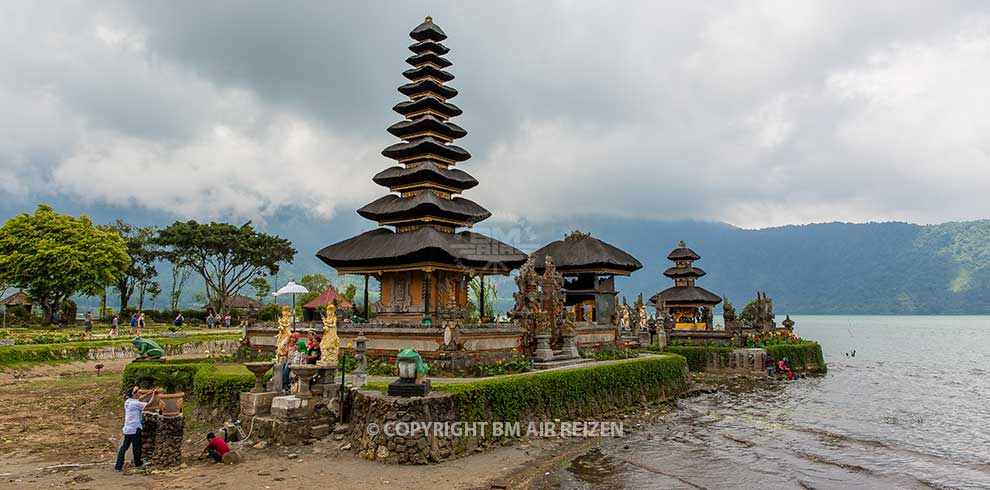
(428, 19)
(683, 244)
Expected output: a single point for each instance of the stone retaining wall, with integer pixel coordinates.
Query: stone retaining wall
(196, 347)
(375, 408)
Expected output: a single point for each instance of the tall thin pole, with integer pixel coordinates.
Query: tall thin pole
(481, 299)
(366, 310)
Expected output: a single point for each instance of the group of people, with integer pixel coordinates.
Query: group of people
(134, 405)
(301, 351)
(778, 368)
(215, 320)
(137, 325)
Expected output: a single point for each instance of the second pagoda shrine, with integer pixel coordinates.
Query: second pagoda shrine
(685, 305)
(421, 260)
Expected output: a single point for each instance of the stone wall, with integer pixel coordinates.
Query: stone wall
(376, 409)
(198, 347)
(161, 439)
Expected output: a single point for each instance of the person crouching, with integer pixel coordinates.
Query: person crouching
(216, 447)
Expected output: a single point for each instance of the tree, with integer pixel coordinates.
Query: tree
(54, 256)
(180, 274)
(224, 255)
(261, 288)
(349, 292)
(144, 253)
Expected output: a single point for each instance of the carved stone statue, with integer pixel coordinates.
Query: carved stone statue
(729, 316)
(568, 329)
(625, 322)
(284, 323)
(642, 316)
(330, 343)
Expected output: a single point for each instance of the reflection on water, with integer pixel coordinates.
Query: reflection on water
(911, 410)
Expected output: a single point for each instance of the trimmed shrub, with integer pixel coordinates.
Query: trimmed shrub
(802, 357)
(219, 387)
(572, 392)
(151, 374)
(695, 354)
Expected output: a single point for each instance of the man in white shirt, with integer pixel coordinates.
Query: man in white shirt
(132, 428)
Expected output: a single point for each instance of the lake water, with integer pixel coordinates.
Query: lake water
(910, 410)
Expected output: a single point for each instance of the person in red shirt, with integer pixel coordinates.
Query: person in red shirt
(216, 447)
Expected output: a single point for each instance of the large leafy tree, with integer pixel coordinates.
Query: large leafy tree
(224, 255)
(141, 274)
(54, 256)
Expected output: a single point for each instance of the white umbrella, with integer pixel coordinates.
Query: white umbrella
(293, 289)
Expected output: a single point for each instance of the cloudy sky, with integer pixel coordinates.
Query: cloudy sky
(753, 113)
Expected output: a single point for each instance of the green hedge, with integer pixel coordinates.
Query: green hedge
(570, 392)
(20, 355)
(147, 374)
(695, 354)
(215, 388)
(802, 357)
(221, 387)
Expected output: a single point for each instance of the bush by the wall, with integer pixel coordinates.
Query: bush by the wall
(150, 374)
(572, 392)
(695, 354)
(218, 389)
(802, 357)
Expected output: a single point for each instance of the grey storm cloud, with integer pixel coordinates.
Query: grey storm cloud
(755, 113)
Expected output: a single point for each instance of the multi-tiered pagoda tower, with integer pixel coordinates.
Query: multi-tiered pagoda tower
(689, 306)
(424, 263)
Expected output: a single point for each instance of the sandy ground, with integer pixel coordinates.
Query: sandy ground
(60, 428)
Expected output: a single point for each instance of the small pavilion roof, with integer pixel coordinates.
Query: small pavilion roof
(683, 272)
(327, 297)
(686, 296)
(428, 31)
(683, 253)
(586, 254)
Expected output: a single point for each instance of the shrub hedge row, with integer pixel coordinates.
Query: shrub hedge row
(17, 355)
(695, 354)
(214, 387)
(571, 392)
(802, 357)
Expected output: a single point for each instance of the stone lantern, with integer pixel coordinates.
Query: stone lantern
(412, 375)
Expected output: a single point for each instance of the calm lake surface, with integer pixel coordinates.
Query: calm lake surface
(910, 410)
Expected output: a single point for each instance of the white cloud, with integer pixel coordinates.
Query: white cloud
(756, 113)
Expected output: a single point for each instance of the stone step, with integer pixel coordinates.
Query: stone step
(319, 431)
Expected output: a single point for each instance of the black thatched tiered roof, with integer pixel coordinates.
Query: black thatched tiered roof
(684, 273)
(425, 212)
(581, 254)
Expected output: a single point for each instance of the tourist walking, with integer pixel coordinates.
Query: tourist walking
(133, 406)
(133, 323)
(115, 325)
(209, 320)
(226, 321)
(88, 325)
(178, 320)
(140, 324)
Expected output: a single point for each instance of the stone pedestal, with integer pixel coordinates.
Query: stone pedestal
(568, 347)
(292, 407)
(325, 383)
(359, 379)
(162, 439)
(253, 404)
(543, 351)
(304, 374)
(408, 387)
(644, 338)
